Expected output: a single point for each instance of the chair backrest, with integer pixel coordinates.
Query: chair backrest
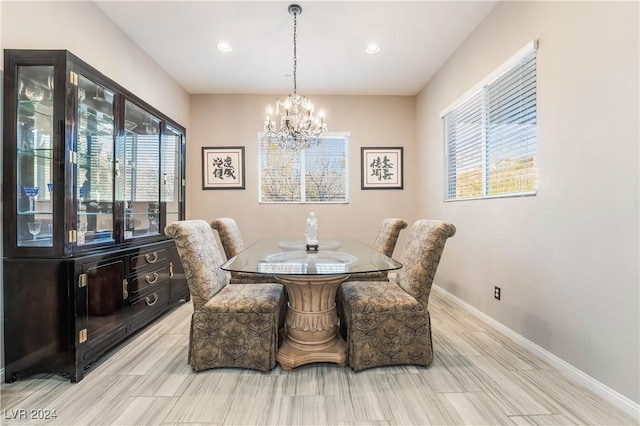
(230, 236)
(421, 255)
(201, 259)
(388, 233)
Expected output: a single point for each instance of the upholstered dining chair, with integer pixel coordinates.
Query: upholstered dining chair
(231, 325)
(387, 322)
(232, 244)
(385, 243)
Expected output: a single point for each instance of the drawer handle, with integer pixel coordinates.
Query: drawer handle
(149, 301)
(150, 279)
(151, 257)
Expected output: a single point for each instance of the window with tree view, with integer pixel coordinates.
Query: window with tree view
(491, 137)
(319, 174)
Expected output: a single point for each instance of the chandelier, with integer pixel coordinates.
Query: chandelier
(299, 128)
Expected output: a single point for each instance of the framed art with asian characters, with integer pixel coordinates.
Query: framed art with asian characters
(381, 168)
(223, 167)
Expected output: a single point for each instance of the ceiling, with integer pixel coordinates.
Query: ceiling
(416, 38)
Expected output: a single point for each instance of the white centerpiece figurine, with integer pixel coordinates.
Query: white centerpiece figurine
(311, 233)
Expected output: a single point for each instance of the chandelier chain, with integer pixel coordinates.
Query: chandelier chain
(295, 53)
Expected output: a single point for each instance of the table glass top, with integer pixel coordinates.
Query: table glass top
(289, 257)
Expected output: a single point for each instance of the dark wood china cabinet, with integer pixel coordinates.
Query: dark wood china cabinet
(92, 174)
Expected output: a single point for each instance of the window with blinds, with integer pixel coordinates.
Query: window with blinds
(491, 137)
(319, 174)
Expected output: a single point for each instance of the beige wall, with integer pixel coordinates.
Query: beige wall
(231, 120)
(567, 259)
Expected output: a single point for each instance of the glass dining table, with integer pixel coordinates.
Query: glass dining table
(311, 279)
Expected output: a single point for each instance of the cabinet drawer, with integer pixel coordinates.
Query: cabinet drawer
(148, 258)
(143, 309)
(145, 279)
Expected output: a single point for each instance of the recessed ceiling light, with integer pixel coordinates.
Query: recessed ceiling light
(373, 48)
(224, 47)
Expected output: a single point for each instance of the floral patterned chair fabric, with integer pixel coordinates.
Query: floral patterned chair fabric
(231, 325)
(230, 236)
(385, 243)
(232, 243)
(386, 322)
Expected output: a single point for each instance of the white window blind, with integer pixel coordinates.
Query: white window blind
(141, 155)
(491, 136)
(319, 174)
(169, 153)
(143, 180)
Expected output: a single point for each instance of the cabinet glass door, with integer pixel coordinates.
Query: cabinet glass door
(95, 151)
(171, 174)
(141, 191)
(35, 157)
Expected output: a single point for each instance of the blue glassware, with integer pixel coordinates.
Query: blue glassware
(31, 192)
(50, 187)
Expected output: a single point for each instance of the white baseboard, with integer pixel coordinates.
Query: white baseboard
(620, 401)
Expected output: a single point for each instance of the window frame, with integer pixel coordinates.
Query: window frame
(481, 90)
(346, 136)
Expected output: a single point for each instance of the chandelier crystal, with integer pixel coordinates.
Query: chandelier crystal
(299, 128)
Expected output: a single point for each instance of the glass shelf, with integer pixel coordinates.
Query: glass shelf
(43, 108)
(94, 122)
(38, 212)
(86, 111)
(86, 213)
(46, 241)
(46, 153)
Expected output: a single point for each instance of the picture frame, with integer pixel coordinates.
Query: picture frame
(382, 167)
(223, 167)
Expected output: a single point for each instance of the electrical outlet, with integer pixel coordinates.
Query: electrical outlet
(496, 292)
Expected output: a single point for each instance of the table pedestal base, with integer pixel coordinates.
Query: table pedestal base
(312, 322)
(291, 357)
